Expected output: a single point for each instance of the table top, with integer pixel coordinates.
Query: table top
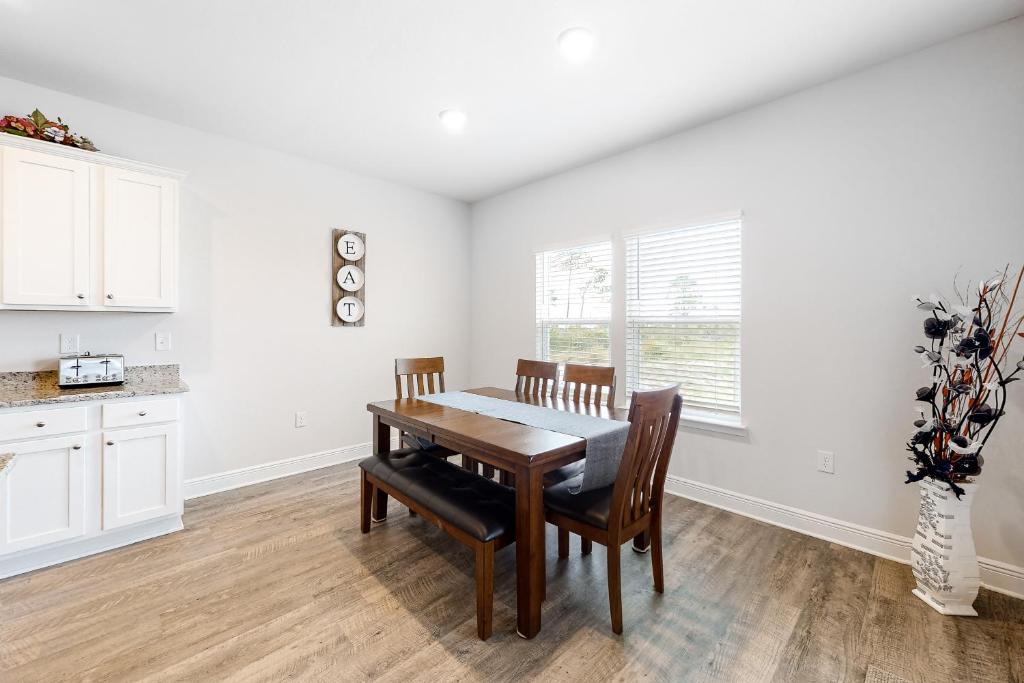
(516, 443)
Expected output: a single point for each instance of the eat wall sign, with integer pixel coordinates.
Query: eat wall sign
(348, 287)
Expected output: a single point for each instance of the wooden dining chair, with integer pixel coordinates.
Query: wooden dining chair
(419, 379)
(583, 384)
(632, 505)
(536, 378)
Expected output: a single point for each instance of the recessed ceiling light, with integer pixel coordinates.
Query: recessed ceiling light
(577, 44)
(453, 120)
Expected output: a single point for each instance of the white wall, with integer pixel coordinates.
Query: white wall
(857, 194)
(253, 334)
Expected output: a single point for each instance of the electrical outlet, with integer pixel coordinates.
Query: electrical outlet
(68, 343)
(827, 462)
(301, 420)
(162, 341)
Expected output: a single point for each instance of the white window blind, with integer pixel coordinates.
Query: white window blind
(574, 304)
(683, 314)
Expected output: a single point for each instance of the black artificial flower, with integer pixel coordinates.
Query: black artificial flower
(935, 328)
(926, 394)
(982, 415)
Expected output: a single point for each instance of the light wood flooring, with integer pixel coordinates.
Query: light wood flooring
(275, 582)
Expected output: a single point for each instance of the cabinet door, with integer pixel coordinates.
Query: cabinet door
(45, 225)
(42, 493)
(139, 240)
(141, 477)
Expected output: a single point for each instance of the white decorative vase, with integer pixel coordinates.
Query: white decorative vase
(943, 558)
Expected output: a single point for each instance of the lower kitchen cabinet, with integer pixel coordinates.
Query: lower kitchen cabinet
(141, 475)
(92, 477)
(42, 494)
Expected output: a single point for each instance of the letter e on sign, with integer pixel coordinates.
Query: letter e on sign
(351, 248)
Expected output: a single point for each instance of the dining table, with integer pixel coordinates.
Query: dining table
(526, 452)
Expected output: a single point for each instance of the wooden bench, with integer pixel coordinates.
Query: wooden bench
(477, 512)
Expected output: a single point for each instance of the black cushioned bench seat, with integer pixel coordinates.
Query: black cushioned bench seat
(481, 507)
(477, 512)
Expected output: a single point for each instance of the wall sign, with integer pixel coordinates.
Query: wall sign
(348, 275)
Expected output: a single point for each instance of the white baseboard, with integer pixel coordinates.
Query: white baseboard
(995, 575)
(255, 474)
(233, 479)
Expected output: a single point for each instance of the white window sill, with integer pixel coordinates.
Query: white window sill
(706, 422)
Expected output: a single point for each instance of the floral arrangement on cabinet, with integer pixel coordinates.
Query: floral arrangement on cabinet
(971, 366)
(38, 127)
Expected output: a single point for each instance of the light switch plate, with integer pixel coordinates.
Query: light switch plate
(827, 462)
(163, 341)
(68, 343)
(301, 420)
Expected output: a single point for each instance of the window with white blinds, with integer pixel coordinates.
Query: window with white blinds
(574, 304)
(683, 314)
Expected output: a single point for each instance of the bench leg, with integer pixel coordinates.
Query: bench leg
(484, 589)
(563, 543)
(365, 501)
(586, 545)
(380, 505)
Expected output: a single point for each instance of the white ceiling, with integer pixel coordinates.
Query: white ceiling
(359, 83)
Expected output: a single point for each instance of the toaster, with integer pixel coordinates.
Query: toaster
(80, 370)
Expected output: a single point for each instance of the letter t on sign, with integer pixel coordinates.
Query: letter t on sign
(348, 279)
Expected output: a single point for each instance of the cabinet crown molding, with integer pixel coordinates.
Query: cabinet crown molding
(8, 140)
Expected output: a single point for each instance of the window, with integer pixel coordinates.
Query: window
(574, 304)
(683, 314)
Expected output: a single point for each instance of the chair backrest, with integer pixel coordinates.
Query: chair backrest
(419, 376)
(640, 483)
(588, 380)
(536, 378)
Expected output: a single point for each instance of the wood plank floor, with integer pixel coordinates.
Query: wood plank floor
(275, 582)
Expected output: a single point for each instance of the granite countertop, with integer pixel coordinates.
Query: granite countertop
(19, 389)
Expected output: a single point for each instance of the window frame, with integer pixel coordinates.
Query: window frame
(712, 423)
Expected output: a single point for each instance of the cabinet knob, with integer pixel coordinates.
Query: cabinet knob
(142, 413)
(77, 447)
(40, 424)
(110, 296)
(80, 296)
(110, 443)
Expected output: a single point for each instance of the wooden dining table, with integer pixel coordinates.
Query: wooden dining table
(527, 452)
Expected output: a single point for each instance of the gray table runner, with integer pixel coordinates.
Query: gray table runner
(606, 439)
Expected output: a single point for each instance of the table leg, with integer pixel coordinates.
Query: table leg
(529, 550)
(381, 446)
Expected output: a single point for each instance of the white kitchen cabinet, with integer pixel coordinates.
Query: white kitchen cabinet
(139, 264)
(42, 493)
(97, 475)
(46, 229)
(141, 479)
(85, 231)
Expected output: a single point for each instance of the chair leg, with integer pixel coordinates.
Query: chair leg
(656, 556)
(615, 586)
(365, 501)
(380, 505)
(484, 589)
(586, 545)
(642, 541)
(563, 543)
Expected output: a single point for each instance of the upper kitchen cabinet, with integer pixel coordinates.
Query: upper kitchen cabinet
(85, 231)
(139, 238)
(46, 229)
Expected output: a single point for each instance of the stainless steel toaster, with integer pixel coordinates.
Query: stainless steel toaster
(88, 370)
